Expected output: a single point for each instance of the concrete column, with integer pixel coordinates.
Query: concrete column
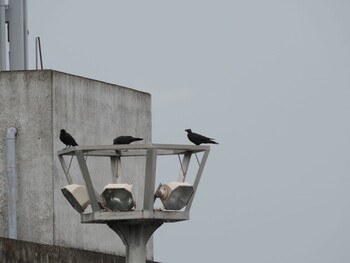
(135, 237)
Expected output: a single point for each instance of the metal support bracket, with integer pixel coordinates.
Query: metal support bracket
(85, 172)
(184, 166)
(116, 166)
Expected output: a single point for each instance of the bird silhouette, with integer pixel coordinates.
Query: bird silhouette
(67, 139)
(197, 139)
(126, 140)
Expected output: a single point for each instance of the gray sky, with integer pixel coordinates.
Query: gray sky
(270, 80)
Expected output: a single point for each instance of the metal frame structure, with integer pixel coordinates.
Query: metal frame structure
(135, 227)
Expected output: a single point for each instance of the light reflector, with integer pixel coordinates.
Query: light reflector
(118, 197)
(175, 195)
(77, 196)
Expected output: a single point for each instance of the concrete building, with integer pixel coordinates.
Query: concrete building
(40, 103)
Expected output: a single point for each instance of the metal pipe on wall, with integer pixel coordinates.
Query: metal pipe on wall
(12, 182)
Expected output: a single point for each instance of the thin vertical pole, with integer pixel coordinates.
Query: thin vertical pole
(18, 28)
(25, 34)
(150, 179)
(12, 182)
(3, 37)
(38, 54)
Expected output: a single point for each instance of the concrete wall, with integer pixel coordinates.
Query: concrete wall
(39, 104)
(22, 251)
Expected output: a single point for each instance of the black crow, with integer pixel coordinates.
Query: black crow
(126, 140)
(197, 139)
(67, 139)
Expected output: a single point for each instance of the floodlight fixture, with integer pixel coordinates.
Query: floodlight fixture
(115, 206)
(118, 197)
(77, 196)
(175, 195)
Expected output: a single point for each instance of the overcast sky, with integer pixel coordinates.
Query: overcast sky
(269, 80)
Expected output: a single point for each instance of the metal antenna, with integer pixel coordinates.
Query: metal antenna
(38, 54)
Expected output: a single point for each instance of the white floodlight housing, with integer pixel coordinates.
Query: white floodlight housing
(77, 196)
(175, 195)
(118, 197)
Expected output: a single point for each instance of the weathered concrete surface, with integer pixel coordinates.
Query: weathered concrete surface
(25, 103)
(12, 251)
(39, 104)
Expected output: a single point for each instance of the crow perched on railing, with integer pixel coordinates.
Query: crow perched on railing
(197, 139)
(67, 139)
(126, 140)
